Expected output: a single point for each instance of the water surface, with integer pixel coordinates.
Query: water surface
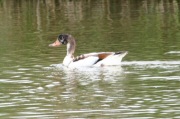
(34, 84)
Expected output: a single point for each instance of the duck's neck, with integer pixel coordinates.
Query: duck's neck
(71, 47)
(70, 52)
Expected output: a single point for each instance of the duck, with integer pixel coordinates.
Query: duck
(98, 59)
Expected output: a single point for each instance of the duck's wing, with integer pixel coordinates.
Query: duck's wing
(113, 59)
(98, 59)
(89, 59)
(99, 55)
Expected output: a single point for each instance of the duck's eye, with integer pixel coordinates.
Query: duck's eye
(63, 38)
(64, 42)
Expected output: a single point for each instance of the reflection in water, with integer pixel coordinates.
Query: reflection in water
(90, 73)
(45, 13)
(146, 86)
(145, 93)
(134, 90)
(129, 24)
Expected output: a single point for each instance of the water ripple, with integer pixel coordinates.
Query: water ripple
(161, 63)
(173, 52)
(15, 81)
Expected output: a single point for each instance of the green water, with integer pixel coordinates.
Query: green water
(34, 84)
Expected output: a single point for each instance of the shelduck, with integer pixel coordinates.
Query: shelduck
(89, 59)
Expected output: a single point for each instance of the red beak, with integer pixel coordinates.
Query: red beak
(55, 44)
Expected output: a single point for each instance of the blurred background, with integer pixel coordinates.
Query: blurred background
(33, 84)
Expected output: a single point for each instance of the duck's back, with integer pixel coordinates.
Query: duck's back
(95, 59)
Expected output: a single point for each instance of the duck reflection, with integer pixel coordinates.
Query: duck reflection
(109, 73)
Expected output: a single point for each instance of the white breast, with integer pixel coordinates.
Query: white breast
(67, 60)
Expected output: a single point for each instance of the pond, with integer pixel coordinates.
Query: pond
(35, 84)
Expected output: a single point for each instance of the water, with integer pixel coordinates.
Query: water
(34, 84)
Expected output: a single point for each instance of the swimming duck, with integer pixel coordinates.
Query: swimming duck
(90, 59)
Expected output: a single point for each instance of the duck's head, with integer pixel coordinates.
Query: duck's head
(61, 39)
(65, 39)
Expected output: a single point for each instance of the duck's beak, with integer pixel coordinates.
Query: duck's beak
(55, 44)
